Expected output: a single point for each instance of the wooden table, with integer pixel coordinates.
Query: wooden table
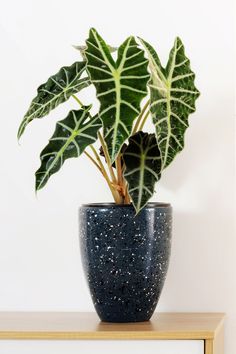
(207, 327)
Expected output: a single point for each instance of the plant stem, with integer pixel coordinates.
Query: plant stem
(120, 180)
(119, 170)
(92, 159)
(77, 100)
(104, 172)
(144, 120)
(135, 129)
(113, 186)
(104, 146)
(127, 197)
(126, 192)
(107, 157)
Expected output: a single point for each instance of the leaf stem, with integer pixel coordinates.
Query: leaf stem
(136, 126)
(77, 100)
(120, 180)
(144, 120)
(99, 163)
(92, 159)
(107, 157)
(104, 146)
(119, 170)
(115, 194)
(127, 196)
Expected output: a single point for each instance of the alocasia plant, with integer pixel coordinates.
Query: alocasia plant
(133, 160)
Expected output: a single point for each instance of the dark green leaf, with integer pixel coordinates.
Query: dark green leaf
(72, 135)
(143, 167)
(173, 96)
(56, 90)
(120, 86)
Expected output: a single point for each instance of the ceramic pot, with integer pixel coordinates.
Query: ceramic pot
(125, 258)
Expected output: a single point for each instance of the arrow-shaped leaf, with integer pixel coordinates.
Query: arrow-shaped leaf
(120, 86)
(173, 96)
(142, 167)
(56, 90)
(72, 135)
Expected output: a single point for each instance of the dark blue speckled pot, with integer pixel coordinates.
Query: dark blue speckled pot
(125, 258)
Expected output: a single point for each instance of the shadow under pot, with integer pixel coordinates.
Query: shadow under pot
(125, 258)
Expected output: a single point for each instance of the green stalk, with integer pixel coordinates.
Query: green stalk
(135, 129)
(77, 100)
(144, 120)
(94, 162)
(115, 194)
(107, 157)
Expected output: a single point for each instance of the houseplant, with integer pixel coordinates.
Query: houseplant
(125, 245)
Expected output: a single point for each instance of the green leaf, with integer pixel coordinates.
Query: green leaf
(143, 167)
(56, 90)
(173, 96)
(120, 86)
(72, 135)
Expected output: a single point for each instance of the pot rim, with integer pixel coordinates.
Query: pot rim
(151, 205)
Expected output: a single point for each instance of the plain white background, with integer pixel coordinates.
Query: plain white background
(40, 265)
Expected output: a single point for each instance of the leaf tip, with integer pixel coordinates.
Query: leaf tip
(178, 41)
(18, 136)
(36, 193)
(38, 181)
(92, 30)
(20, 132)
(138, 208)
(36, 189)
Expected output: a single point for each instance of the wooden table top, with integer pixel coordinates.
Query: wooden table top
(86, 325)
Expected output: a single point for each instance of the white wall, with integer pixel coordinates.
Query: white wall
(39, 256)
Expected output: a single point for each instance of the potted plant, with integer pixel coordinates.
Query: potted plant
(126, 244)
